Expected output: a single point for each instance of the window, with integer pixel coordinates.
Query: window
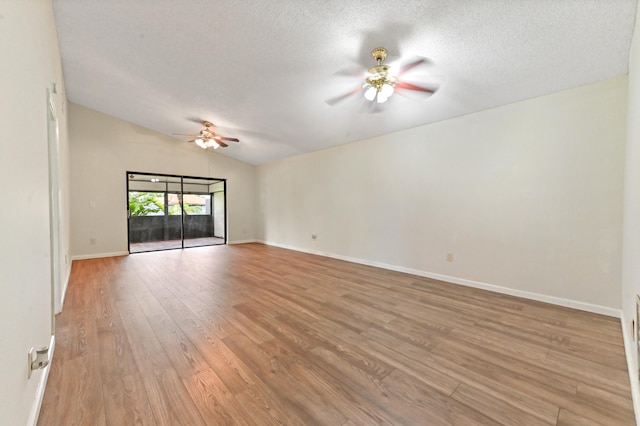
(193, 204)
(146, 203)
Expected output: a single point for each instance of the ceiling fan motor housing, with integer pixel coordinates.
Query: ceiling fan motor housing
(379, 75)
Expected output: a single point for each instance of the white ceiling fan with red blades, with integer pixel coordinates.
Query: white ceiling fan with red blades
(379, 83)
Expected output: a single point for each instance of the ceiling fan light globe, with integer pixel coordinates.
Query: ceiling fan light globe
(382, 98)
(370, 93)
(386, 90)
(200, 143)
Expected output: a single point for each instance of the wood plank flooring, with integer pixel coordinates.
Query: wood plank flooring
(256, 335)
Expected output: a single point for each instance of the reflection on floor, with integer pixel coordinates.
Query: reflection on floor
(174, 244)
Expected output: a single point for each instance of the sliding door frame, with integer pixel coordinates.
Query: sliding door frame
(182, 213)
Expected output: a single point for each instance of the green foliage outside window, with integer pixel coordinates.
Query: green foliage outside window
(146, 203)
(152, 204)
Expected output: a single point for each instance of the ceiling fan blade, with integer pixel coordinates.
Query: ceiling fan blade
(411, 65)
(351, 72)
(340, 98)
(222, 138)
(410, 86)
(222, 144)
(191, 141)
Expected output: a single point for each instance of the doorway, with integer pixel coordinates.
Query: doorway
(168, 212)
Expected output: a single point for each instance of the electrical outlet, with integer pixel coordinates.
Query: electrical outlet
(38, 359)
(449, 256)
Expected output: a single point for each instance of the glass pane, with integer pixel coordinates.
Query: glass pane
(174, 204)
(146, 203)
(150, 225)
(219, 229)
(195, 204)
(199, 218)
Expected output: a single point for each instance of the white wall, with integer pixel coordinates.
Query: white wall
(30, 64)
(103, 148)
(631, 224)
(528, 197)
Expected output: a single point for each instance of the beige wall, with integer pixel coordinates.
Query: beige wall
(30, 64)
(103, 148)
(528, 197)
(631, 241)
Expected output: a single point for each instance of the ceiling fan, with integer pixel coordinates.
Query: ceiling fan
(379, 84)
(208, 138)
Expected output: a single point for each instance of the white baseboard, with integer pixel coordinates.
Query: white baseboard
(603, 310)
(99, 255)
(64, 288)
(42, 385)
(583, 306)
(241, 241)
(65, 284)
(629, 347)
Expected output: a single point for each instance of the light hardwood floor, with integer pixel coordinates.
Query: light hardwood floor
(252, 334)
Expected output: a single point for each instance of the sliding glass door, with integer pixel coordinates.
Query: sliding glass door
(200, 213)
(168, 212)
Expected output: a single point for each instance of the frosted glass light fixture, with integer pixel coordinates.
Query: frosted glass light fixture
(379, 85)
(208, 137)
(370, 92)
(386, 90)
(207, 143)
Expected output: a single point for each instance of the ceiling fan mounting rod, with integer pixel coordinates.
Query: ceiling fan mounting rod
(379, 54)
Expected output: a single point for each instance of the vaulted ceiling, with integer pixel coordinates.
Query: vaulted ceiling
(263, 71)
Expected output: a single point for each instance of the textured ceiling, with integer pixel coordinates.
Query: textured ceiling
(262, 71)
